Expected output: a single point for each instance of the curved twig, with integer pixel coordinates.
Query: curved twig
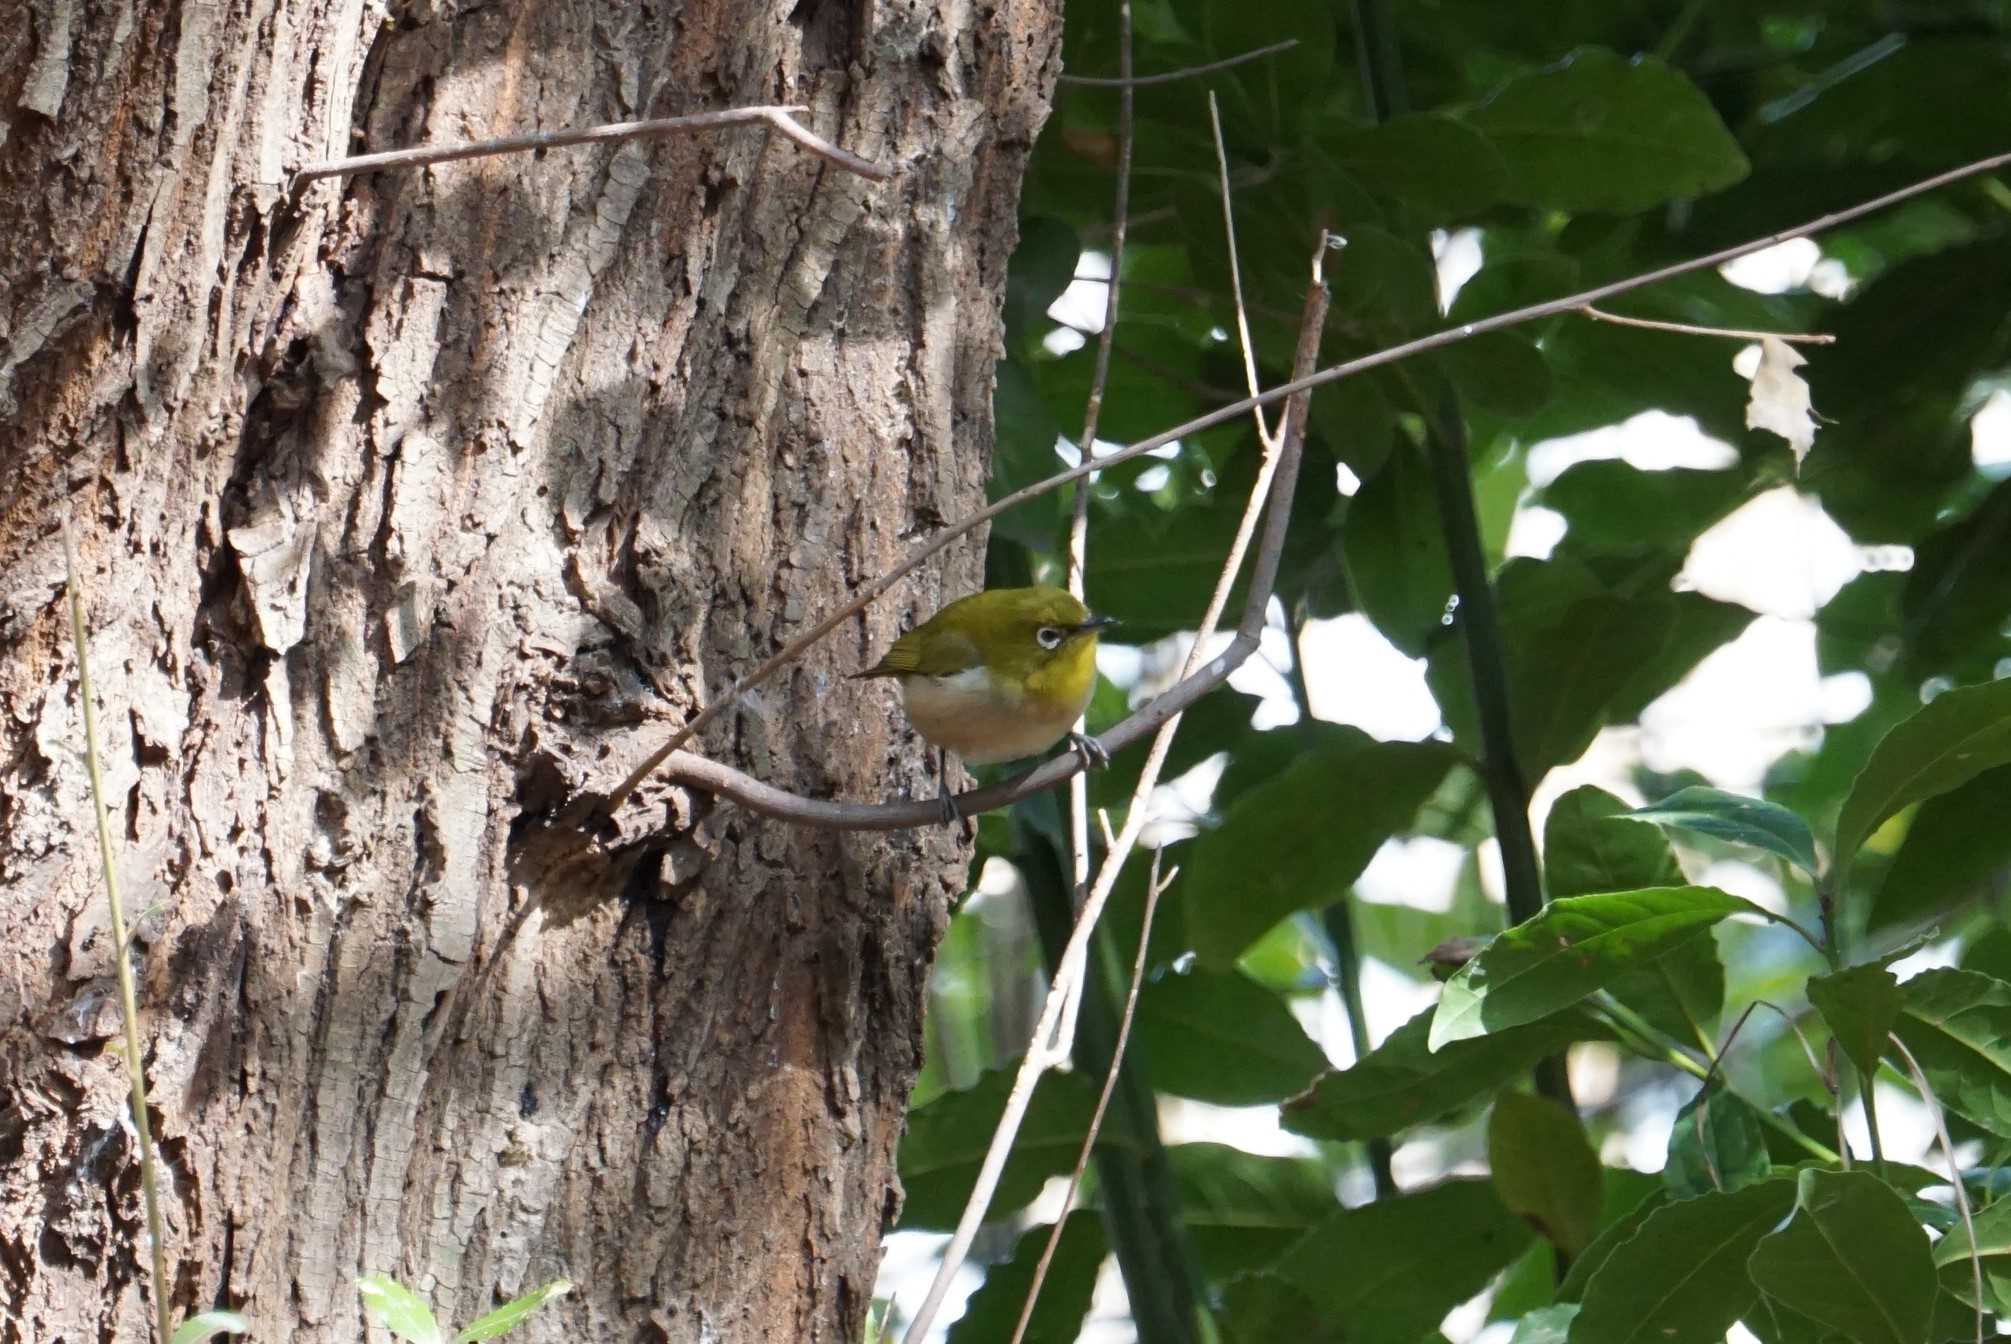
(1131, 81)
(418, 156)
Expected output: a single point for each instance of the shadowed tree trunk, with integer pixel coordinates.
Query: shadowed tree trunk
(407, 505)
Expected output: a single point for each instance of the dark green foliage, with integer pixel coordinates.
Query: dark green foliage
(1578, 143)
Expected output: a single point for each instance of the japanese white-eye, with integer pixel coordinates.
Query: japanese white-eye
(1000, 674)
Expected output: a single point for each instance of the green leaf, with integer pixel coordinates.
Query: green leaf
(1064, 1297)
(1242, 1211)
(1776, 1323)
(1618, 1229)
(1499, 371)
(946, 1141)
(1395, 549)
(1042, 266)
(1563, 676)
(1729, 816)
(1611, 505)
(1221, 1037)
(1265, 1308)
(1442, 168)
(1697, 625)
(1955, 603)
(1408, 1260)
(1577, 945)
(1545, 1325)
(1544, 1169)
(1852, 1258)
(1156, 569)
(398, 1309)
(1929, 325)
(1314, 828)
(1681, 1278)
(1958, 1026)
(1717, 1143)
(1573, 650)
(1027, 432)
(1586, 850)
(1859, 1004)
(1589, 846)
(1955, 846)
(1993, 1245)
(511, 1314)
(1949, 742)
(205, 1325)
(1387, 285)
(1601, 133)
(1402, 1082)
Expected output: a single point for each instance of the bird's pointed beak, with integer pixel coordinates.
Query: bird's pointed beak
(1096, 623)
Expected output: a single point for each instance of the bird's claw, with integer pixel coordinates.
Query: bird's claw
(1092, 753)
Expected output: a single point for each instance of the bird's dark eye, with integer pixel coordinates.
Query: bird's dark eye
(1050, 636)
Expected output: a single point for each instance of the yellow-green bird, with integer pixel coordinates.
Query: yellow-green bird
(998, 675)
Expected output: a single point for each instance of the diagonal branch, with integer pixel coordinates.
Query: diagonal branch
(1127, 80)
(1119, 848)
(1078, 522)
(1277, 512)
(777, 803)
(777, 118)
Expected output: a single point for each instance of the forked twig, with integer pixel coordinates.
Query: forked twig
(777, 117)
(1692, 329)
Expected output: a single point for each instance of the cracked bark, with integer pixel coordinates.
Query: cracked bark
(404, 507)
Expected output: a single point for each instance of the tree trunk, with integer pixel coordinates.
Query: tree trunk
(409, 505)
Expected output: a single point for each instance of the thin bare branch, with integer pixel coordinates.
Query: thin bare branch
(1092, 409)
(777, 117)
(1131, 81)
(1954, 1172)
(129, 1009)
(1236, 275)
(1078, 521)
(792, 807)
(1263, 577)
(1155, 887)
(1690, 329)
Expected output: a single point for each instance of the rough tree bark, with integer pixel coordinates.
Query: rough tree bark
(408, 504)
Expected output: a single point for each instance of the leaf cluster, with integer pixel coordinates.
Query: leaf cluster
(1568, 144)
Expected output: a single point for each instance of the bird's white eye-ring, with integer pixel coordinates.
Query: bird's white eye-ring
(1050, 636)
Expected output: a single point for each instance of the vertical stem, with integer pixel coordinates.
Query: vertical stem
(1140, 1199)
(121, 953)
(1487, 662)
(1380, 60)
(1078, 521)
(1452, 475)
(1339, 919)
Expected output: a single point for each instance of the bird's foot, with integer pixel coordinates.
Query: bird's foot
(1092, 753)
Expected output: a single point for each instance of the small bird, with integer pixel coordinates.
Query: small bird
(998, 675)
